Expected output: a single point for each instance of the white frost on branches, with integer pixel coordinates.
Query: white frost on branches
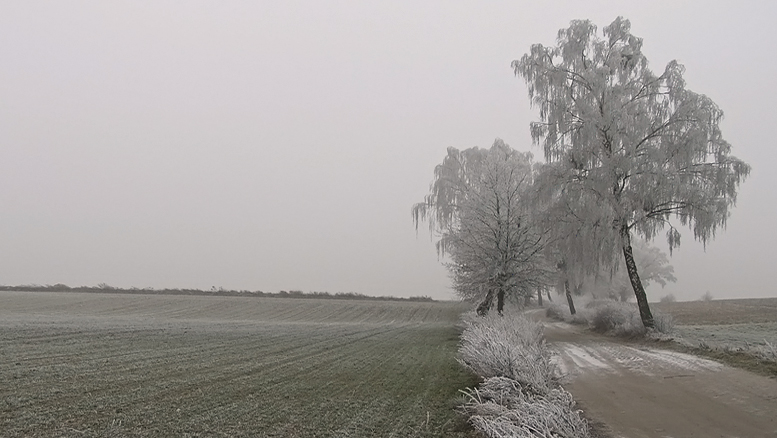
(478, 203)
(641, 148)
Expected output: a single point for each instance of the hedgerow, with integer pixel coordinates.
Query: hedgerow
(520, 395)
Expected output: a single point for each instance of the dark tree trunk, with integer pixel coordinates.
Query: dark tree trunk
(569, 297)
(579, 289)
(539, 297)
(636, 283)
(500, 300)
(548, 292)
(485, 305)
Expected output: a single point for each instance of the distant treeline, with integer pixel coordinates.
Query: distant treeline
(105, 288)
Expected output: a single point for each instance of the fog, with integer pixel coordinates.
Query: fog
(280, 145)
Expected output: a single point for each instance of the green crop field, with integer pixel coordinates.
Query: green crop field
(93, 365)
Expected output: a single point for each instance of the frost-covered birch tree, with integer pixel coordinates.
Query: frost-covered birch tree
(642, 147)
(478, 207)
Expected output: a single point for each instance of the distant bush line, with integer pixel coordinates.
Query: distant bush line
(104, 288)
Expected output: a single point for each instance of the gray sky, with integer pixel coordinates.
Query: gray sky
(280, 145)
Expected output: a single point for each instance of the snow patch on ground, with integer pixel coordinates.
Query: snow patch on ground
(673, 359)
(572, 359)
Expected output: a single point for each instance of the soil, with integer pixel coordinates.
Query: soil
(642, 390)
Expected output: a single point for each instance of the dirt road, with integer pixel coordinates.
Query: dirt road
(642, 391)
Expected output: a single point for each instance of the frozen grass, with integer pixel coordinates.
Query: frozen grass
(741, 332)
(499, 408)
(507, 346)
(757, 339)
(520, 396)
(769, 351)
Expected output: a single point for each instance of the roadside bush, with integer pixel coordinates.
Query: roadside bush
(520, 396)
(499, 408)
(560, 312)
(556, 311)
(597, 303)
(621, 319)
(581, 317)
(508, 346)
(618, 318)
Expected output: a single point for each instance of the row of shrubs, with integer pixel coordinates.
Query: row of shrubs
(105, 288)
(520, 395)
(613, 317)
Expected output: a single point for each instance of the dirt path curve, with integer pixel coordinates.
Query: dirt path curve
(642, 391)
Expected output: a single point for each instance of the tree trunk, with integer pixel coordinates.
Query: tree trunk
(539, 297)
(548, 292)
(500, 300)
(485, 305)
(569, 297)
(636, 283)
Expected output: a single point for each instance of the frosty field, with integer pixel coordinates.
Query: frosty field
(80, 365)
(728, 326)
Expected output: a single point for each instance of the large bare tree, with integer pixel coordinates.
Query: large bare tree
(641, 147)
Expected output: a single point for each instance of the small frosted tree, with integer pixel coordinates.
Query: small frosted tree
(478, 203)
(643, 148)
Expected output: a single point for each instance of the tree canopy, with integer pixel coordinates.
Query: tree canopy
(478, 203)
(643, 149)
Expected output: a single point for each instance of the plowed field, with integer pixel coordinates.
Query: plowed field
(89, 365)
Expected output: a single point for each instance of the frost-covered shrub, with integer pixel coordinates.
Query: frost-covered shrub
(581, 317)
(508, 346)
(501, 408)
(623, 319)
(561, 312)
(597, 303)
(618, 318)
(556, 311)
(520, 396)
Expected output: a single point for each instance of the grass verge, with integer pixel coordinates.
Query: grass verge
(738, 359)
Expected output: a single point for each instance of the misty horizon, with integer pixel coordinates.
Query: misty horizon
(281, 146)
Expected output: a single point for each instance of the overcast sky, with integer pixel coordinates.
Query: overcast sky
(280, 145)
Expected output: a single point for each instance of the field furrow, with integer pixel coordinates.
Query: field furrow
(169, 366)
